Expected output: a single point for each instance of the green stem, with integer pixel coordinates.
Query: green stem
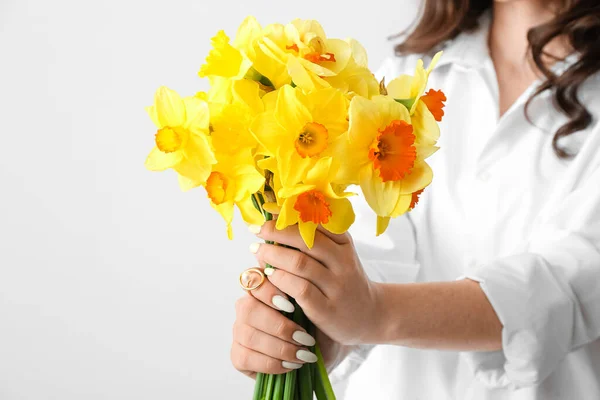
(278, 390)
(322, 376)
(258, 386)
(269, 387)
(289, 391)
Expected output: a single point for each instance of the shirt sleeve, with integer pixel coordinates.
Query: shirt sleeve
(548, 298)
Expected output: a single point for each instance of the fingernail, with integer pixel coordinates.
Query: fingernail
(306, 356)
(254, 229)
(290, 365)
(283, 304)
(304, 338)
(269, 271)
(254, 247)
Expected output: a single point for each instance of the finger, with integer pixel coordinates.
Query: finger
(264, 318)
(245, 359)
(290, 236)
(273, 297)
(293, 261)
(307, 295)
(271, 346)
(341, 239)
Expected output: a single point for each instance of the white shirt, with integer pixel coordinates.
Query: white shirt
(505, 211)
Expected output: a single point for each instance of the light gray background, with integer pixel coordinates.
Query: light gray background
(113, 283)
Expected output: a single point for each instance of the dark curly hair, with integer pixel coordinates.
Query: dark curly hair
(578, 21)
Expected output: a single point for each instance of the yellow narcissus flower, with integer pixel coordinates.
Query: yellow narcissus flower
(384, 157)
(232, 61)
(233, 181)
(314, 202)
(301, 129)
(356, 78)
(230, 120)
(182, 140)
(300, 52)
(425, 109)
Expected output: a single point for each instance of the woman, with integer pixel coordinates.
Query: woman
(503, 300)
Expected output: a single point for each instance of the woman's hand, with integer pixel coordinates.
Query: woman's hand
(327, 281)
(264, 340)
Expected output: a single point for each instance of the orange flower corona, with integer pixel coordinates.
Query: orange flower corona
(216, 187)
(415, 199)
(312, 140)
(169, 139)
(316, 57)
(313, 207)
(434, 100)
(394, 153)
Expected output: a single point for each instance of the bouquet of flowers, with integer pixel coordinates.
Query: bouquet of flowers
(292, 121)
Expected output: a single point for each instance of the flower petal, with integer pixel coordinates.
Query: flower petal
(170, 108)
(381, 196)
(267, 131)
(187, 184)
(159, 161)
(382, 224)
(399, 88)
(342, 216)
(249, 213)
(419, 178)
(307, 231)
(226, 211)
(426, 128)
(197, 115)
(402, 206)
(288, 215)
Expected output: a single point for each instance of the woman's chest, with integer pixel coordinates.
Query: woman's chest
(492, 176)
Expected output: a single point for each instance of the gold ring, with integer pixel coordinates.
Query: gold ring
(248, 279)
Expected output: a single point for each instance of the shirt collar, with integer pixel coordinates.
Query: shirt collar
(469, 49)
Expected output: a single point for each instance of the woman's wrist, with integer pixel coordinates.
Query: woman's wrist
(386, 315)
(442, 315)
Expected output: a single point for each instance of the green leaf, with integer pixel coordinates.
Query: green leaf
(408, 103)
(323, 377)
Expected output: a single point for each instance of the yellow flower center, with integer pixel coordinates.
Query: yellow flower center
(313, 207)
(393, 152)
(312, 140)
(216, 187)
(169, 140)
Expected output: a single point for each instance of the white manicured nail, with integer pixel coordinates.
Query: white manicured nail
(254, 247)
(283, 304)
(269, 271)
(254, 229)
(306, 356)
(290, 365)
(304, 338)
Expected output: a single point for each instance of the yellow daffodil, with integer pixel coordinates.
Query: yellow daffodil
(233, 181)
(314, 202)
(300, 52)
(384, 157)
(425, 109)
(182, 140)
(356, 78)
(232, 61)
(230, 120)
(301, 129)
